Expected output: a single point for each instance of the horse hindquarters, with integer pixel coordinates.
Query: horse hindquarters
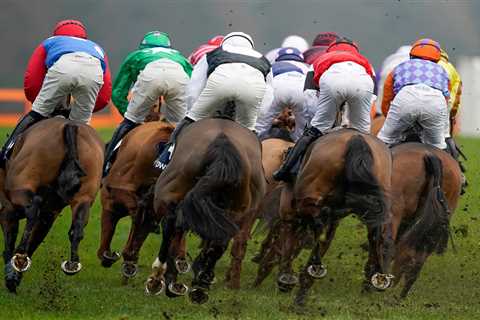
(204, 208)
(76, 186)
(365, 193)
(430, 232)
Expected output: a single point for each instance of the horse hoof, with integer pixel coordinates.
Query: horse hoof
(286, 282)
(71, 267)
(12, 278)
(381, 281)
(317, 271)
(198, 296)
(21, 262)
(108, 259)
(154, 287)
(129, 269)
(182, 265)
(175, 290)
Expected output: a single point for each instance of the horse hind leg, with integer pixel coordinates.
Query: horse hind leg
(10, 225)
(289, 238)
(203, 269)
(175, 266)
(21, 261)
(239, 248)
(139, 231)
(411, 274)
(80, 213)
(109, 223)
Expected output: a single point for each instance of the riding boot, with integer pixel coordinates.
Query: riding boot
(125, 127)
(27, 121)
(163, 158)
(455, 152)
(295, 154)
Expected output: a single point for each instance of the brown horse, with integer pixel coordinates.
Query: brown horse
(213, 187)
(128, 190)
(55, 163)
(426, 185)
(342, 172)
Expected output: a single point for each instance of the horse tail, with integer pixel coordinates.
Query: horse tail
(71, 170)
(362, 188)
(430, 232)
(204, 208)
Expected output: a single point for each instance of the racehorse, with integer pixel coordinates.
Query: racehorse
(342, 172)
(426, 185)
(213, 187)
(55, 163)
(128, 190)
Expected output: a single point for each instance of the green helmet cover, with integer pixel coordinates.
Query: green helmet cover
(155, 39)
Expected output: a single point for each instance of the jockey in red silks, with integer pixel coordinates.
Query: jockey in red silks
(342, 76)
(65, 64)
(211, 45)
(319, 46)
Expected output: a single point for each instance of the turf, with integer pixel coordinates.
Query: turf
(448, 287)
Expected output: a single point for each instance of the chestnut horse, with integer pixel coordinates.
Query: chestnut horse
(426, 185)
(55, 163)
(213, 187)
(127, 190)
(342, 172)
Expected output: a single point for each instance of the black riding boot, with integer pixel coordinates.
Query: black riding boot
(455, 152)
(295, 154)
(166, 153)
(125, 127)
(28, 120)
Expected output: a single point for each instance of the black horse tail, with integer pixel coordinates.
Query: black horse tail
(205, 207)
(430, 232)
(71, 170)
(363, 192)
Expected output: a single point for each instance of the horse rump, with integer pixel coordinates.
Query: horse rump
(204, 209)
(363, 192)
(430, 232)
(70, 170)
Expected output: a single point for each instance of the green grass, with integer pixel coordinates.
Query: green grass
(448, 288)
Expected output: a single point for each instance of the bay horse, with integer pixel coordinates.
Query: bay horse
(54, 163)
(426, 186)
(342, 172)
(128, 190)
(213, 187)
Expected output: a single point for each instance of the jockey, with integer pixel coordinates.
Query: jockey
(401, 55)
(416, 92)
(211, 45)
(156, 70)
(288, 72)
(65, 64)
(292, 41)
(455, 91)
(342, 75)
(232, 72)
(319, 46)
(453, 107)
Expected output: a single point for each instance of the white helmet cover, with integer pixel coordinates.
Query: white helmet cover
(238, 39)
